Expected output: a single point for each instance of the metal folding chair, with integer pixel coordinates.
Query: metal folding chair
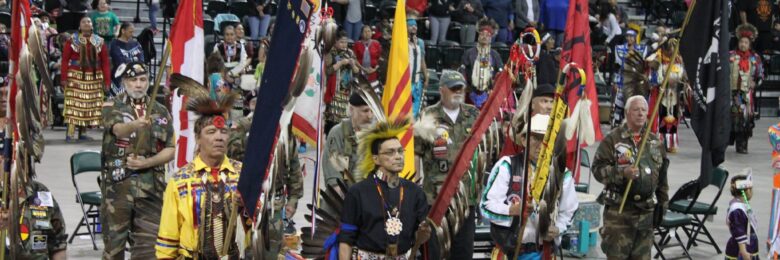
(699, 211)
(82, 162)
(584, 163)
(668, 229)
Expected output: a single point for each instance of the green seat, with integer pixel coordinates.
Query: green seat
(699, 211)
(697, 208)
(83, 162)
(91, 198)
(668, 230)
(675, 219)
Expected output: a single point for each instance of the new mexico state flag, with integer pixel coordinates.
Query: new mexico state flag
(397, 96)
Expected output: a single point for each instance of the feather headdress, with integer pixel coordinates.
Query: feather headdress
(747, 30)
(381, 130)
(211, 111)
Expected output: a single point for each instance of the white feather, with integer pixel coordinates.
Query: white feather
(425, 128)
(523, 103)
(587, 132)
(573, 121)
(266, 185)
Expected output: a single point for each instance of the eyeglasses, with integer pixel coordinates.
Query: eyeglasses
(393, 152)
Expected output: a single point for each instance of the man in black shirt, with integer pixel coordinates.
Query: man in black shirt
(759, 13)
(383, 215)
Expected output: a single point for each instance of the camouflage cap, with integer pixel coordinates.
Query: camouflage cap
(451, 79)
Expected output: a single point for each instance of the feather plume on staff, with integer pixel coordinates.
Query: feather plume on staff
(580, 121)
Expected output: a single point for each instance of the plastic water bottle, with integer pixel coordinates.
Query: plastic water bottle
(98, 227)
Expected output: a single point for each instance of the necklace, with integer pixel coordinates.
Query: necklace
(393, 224)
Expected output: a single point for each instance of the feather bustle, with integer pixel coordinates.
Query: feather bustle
(187, 86)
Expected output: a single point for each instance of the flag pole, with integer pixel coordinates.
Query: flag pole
(5, 178)
(657, 104)
(155, 89)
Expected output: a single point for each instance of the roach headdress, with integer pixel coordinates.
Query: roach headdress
(381, 131)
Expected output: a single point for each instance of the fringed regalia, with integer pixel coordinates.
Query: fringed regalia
(85, 60)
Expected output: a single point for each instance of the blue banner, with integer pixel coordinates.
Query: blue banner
(292, 23)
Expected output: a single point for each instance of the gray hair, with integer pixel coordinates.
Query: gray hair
(630, 101)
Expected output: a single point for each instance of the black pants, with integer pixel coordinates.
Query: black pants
(462, 244)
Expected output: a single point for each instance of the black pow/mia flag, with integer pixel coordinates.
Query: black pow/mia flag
(708, 70)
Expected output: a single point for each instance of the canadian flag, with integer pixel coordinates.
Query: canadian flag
(186, 34)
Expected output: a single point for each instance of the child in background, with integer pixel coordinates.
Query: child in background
(743, 243)
(216, 70)
(105, 21)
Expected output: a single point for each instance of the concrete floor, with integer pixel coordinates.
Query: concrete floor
(54, 173)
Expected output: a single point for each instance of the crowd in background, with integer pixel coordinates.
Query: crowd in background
(242, 39)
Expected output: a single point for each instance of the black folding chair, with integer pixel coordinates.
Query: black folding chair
(668, 229)
(82, 162)
(699, 211)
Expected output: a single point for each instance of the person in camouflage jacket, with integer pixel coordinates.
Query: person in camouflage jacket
(629, 235)
(133, 177)
(42, 227)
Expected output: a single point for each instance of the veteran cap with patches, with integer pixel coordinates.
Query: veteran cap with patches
(452, 79)
(129, 70)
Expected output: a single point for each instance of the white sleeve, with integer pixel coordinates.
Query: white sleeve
(243, 53)
(494, 204)
(568, 204)
(614, 27)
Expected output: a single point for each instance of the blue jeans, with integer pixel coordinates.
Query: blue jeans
(558, 36)
(353, 29)
(503, 35)
(258, 26)
(153, 9)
